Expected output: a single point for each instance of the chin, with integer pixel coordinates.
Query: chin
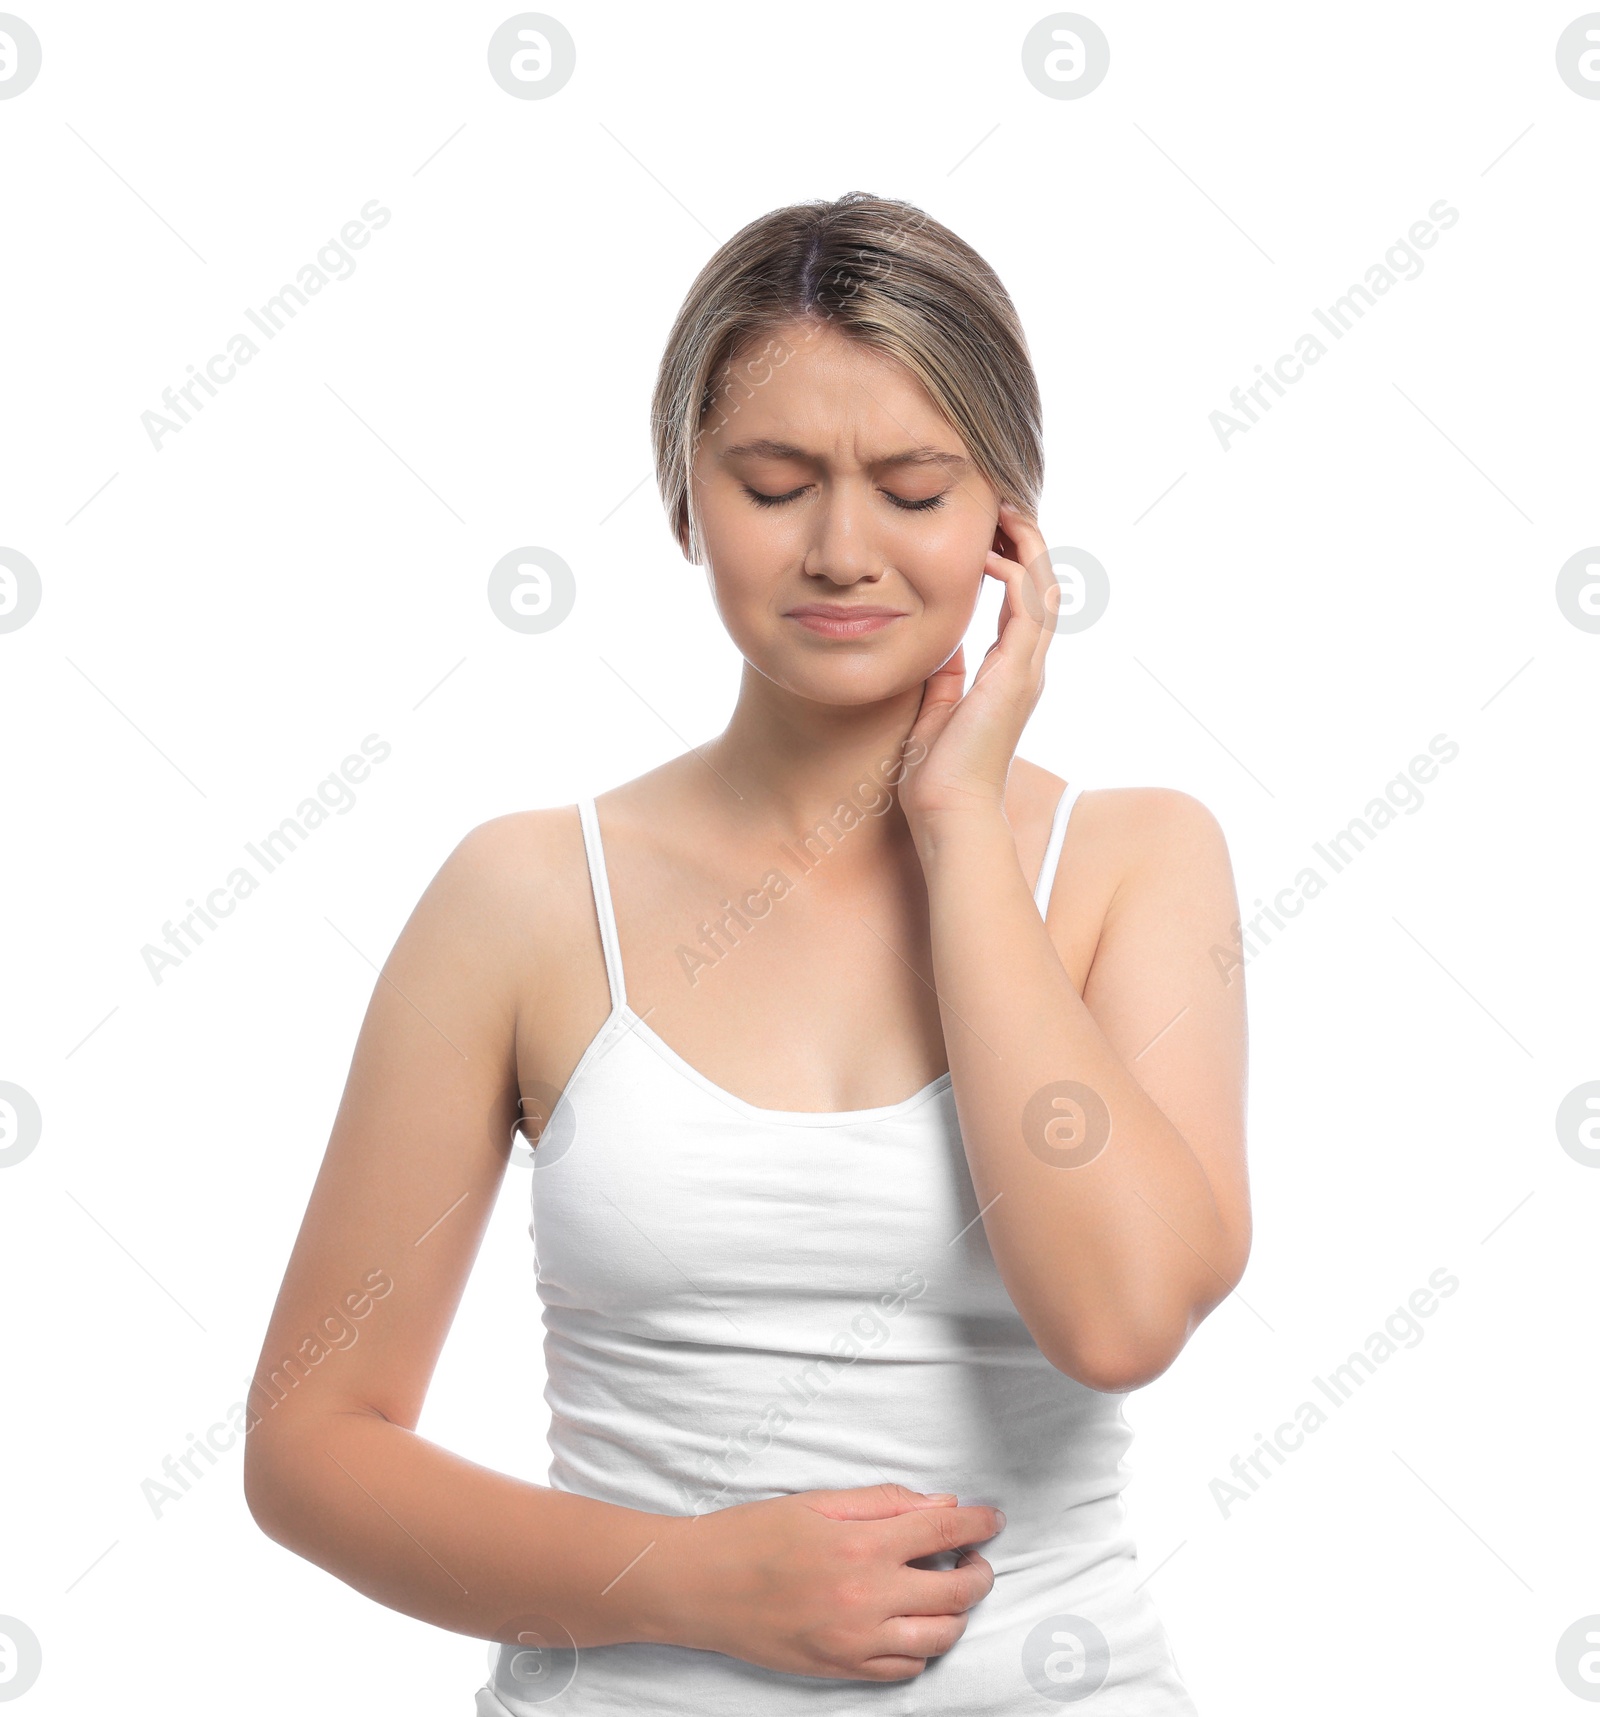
(846, 684)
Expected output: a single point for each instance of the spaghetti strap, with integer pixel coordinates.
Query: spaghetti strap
(604, 910)
(1052, 850)
(692, 1253)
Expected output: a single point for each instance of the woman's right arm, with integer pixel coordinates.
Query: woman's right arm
(334, 1469)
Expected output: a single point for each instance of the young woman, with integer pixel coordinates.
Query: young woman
(888, 1093)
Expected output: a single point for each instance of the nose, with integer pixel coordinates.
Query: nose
(841, 548)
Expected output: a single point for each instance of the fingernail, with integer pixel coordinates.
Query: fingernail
(1000, 1515)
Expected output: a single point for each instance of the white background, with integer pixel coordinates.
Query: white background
(225, 619)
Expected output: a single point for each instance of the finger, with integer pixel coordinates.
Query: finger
(925, 731)
(886, 1669)
(1033, 554)
(873, 1502)
(945, 685)
(1005, 605)
(926, 1531)
(1023, 635)
(941, 692)
(943, 1591)
(1023, 529)
(918, 1637)
(962, 1587)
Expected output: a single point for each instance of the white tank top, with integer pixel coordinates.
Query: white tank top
(742, 1303)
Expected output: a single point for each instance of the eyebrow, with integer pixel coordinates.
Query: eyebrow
(766, 449)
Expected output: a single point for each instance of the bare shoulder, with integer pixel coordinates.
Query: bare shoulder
(1118, 826)
(1172, 908)
(1165, 857)
(1129, 830)
(1156, 810)
(1153, 825)
(1125, 845)
(521, 879)
(496, 855)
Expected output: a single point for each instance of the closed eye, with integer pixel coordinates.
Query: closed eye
(762, 500)
(923, 506)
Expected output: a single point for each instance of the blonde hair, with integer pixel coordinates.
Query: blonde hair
(883, 272)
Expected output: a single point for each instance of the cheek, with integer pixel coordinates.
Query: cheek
(744, 567)
(745, 531)
(945, 565)
(738, 555)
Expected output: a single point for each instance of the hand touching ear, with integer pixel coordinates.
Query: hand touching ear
(964, 744)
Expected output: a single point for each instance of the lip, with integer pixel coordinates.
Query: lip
(844, 619)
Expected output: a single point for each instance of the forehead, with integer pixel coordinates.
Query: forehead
(809, 385)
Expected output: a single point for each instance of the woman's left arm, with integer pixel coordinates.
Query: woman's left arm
(1104, 1131)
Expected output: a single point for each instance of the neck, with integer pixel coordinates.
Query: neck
(792, 762)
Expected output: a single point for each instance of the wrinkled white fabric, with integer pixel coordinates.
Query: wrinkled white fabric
(742, 1303)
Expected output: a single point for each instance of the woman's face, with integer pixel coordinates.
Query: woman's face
(829, 484)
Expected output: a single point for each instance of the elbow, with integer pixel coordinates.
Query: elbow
(285, 1470)
(1115, 1370)
(263, 1490)
(1129, 1344)
(271, 1485)
(1115, 1362)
